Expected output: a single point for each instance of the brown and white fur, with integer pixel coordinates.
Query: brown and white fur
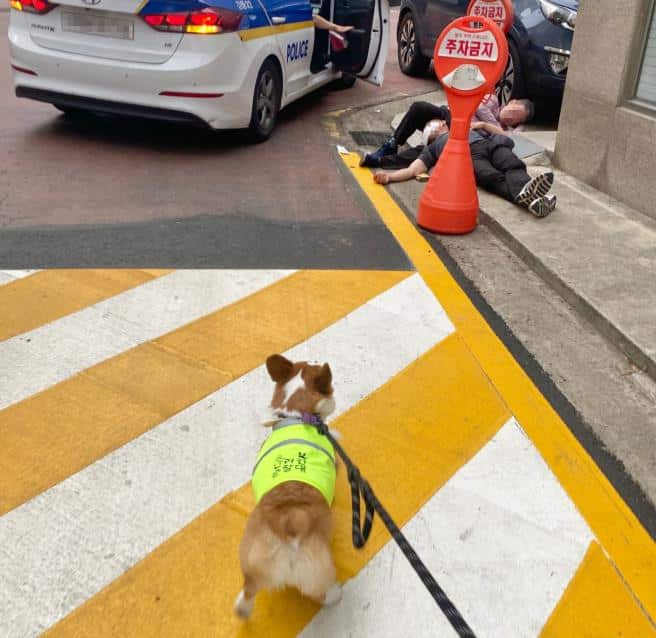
(287, 538)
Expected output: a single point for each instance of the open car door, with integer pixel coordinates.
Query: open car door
(366, 52)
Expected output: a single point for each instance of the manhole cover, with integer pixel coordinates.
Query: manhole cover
(370, 138)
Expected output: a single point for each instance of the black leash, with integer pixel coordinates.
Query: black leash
(359, 486)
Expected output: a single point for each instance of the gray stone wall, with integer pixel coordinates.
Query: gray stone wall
(603, 138)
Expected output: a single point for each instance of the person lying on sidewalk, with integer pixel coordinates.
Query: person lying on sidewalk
(496, 168)
(424, 116)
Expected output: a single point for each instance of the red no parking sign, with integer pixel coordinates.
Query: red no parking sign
(499, 11)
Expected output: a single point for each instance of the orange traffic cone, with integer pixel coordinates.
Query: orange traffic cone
(449, 203)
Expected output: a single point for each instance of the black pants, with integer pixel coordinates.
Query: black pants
(497, 169)
(402, 159)
(418, 115)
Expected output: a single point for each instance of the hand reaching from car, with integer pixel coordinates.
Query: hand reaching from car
(321, 23)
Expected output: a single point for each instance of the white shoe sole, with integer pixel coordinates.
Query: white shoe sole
(539, 186)
(542, 206)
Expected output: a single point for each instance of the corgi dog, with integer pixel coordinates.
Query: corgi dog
(287, 538)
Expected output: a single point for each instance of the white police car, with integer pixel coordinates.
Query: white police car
(223, 63)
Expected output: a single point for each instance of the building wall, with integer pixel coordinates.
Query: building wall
(605, 137)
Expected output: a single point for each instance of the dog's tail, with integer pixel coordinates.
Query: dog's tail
(296, 524)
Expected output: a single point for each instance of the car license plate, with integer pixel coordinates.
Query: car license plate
(95, 24)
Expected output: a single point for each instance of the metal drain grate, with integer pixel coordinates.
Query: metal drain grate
(370, 138)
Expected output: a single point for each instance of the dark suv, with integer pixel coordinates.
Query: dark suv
(540, 42)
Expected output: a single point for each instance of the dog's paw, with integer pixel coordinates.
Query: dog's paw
(333, 595)
(243, 607)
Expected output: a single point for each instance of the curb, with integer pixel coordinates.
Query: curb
(606, 327)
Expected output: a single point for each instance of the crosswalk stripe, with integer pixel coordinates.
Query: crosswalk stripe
(38, 299)
(150, 488)
(7, 276)
(614, 524)
(35, 360)
(59, 431)
(598, 604)
(503, 555)
(409, 437)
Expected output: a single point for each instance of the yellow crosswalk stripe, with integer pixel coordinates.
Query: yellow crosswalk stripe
(409, 437)
(597, 604)
(59, 431)
(48, 295)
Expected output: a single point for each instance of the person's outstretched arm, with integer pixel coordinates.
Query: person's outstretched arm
(402, 175)
(322, 23)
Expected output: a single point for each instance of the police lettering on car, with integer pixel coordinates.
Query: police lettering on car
(297, 50)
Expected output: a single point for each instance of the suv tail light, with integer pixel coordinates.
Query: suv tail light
(32, 6)
(205, 21)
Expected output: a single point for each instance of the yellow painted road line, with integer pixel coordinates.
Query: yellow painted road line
(422, 426)
(262, 32)
(614, 524)
(59, 431)
(8, 276)
(142, 4)
(597, 604)
(48, 295)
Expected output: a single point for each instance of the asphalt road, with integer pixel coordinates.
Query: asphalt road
(121, 192)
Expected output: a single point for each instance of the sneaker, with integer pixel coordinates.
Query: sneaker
(369, 161)
(542, 206)
(372, 160)
(537, 187)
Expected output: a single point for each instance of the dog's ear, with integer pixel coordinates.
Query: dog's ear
(324, 379)
(280, 369)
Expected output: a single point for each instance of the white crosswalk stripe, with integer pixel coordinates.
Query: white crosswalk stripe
(467, 534)
(36, 360)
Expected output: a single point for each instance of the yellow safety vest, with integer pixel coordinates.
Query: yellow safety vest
(295, 451)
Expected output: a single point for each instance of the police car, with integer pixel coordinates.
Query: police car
(222, 63)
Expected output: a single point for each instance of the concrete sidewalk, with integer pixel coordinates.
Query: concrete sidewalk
(597, 253)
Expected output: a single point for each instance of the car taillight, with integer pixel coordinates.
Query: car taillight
(205, 21)
(32, 6)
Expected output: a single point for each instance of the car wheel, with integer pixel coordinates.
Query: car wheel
(411, 60)
(266, 102)
(511, 86)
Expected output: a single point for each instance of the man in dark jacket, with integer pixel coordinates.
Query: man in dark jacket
(496, 168)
